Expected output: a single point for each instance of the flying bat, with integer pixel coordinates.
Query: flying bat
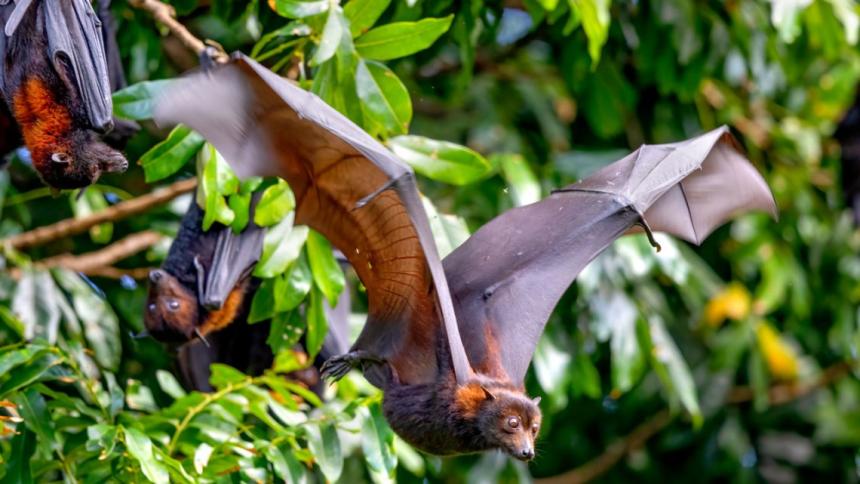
(504, 281)
(201, 296)
(54, 81)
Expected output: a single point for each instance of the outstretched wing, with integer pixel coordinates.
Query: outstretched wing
(347, 186)
(507, 278)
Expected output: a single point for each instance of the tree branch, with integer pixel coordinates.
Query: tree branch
(97, 263)
(166, 15)
(777, 395)
(72, 226)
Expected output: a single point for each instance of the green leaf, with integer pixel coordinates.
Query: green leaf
(201, 457)
(292, 286)
(594, 15)
(522, 182)
(90, 201)
(401, 39)
(335, 28)
(449, 231)
(140, 447)
(168, 384)
(286, 466)
(286, 331)
(441, 160)
(671, 367)
(616, 313)
(299, 8)
(223, 375)
(377, 442)
(169, 156)
(327, 273)
(385, 101)
(217, 180)
(101, 325)
(21, 450)
(282, 245)
(317, 324)
(263, 304)
(325, 446)
(35, 304)
(34, 410)
(136, 102)
(29, 374)
(362, 14)
(277, 201)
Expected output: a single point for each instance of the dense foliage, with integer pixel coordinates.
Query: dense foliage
(748, 340)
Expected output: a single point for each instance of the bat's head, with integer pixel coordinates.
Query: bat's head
(77, 162)
(510, 421)
(171, 308)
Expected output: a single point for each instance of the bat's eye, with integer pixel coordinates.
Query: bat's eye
(513, 423)
(173, 304)
(152, 307)
(535, 428)
(61, 158)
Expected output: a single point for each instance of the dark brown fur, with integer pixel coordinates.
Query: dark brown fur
(444, 419)
(51, 117)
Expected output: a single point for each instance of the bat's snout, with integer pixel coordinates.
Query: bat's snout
(155, 276)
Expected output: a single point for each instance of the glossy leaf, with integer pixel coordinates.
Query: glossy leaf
(282, 245)
(362, 14)
(401, 39)
(440, 160)
(140, 448)
(277, 201)
(169, 156)
(328, 276)
(136, 102)
(335, 28)
(523, 185)
(384, 100)
(325, 445)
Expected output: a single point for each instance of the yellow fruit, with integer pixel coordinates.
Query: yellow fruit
(780, 357)
(733, 302)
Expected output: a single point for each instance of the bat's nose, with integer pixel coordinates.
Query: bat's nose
(155, 276)
(526, 453)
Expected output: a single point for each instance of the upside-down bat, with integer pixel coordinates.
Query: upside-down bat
(55, 83)
(440, 395)
(204, 288)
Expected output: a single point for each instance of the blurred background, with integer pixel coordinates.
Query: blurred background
(733, 361)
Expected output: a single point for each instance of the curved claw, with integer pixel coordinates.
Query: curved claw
(337, 367)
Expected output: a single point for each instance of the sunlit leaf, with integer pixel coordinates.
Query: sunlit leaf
(384, 99)
(101, 325)
(169, 156)
(400, 39)
(299, 8)
(325, 445)
(137, 101)
(327, 273)
(441, 160)
(522, 182)
(282, 245)
(377, 441)
(317, 324)
(335, 28)
(140, 447)
(362, 14)
(275, 203)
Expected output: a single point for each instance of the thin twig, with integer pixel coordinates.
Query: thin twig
(98, 262)
(166, 15)
(777, 395)
(108, 272)
(72, 226)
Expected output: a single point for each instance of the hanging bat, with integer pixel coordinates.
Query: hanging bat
(504, 281)
(204, 289)
(55, 83)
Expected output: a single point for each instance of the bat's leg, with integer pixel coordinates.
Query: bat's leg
(336, 367)
(389, 184)
(642, 223)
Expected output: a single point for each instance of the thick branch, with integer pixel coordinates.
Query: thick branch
(165, 15)
(97, 263)
(777, 395)
(72, 226)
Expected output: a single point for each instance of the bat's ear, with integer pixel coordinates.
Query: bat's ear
(536, 400)
(488, 393)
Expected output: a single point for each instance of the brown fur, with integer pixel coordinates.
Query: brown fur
(216, 320)
(44, 123)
